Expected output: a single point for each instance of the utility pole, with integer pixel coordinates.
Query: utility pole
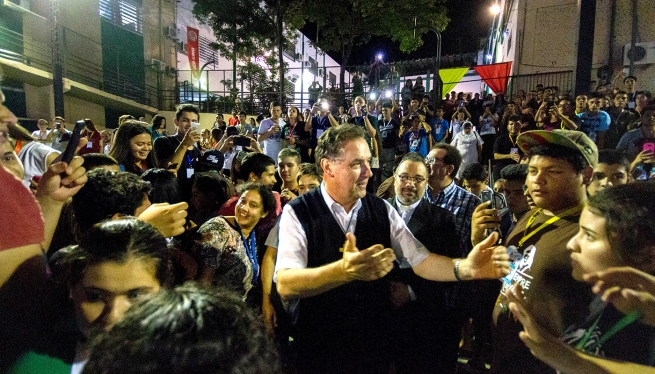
(57, 68)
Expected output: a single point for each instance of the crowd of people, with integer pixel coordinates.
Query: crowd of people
(374, 237)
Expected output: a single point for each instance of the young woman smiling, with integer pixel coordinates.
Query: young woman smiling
(133, 148)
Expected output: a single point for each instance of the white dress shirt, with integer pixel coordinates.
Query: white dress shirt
(292, 249)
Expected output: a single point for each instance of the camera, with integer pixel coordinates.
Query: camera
(242, 141)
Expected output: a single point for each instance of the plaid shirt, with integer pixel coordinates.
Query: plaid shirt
(462, 204)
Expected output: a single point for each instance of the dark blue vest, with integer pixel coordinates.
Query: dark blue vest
(351, 322)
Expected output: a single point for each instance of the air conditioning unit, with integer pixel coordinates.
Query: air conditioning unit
(171, 71)
(641, 54)
(158, 65)
(172, 32)
(181, 47)
(321, 72)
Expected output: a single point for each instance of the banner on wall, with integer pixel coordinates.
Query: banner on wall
(192, 51)
(450, 78)
(495, 75)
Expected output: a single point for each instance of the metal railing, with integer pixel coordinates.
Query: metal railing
(19, 48)
(527, 82)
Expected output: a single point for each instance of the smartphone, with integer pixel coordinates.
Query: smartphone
(74, 141)
(242, 141)
(514, 150)
(649, 147)
(172, 166)
(195, 126)
(325, 106)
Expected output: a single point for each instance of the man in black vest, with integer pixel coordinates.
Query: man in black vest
(426, 329)
(344, 312)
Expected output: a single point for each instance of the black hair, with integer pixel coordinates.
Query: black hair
(268, 200)
(186, 108)
(597, 95)
(331, 143)
(575, 159)
(255, 163)
(619, 92)
(630, 77)
(452, 157)
(242, 112)
(96, 160)
(612, 156)
(107, 193)
(165, 188)
(114, 240)
(514, 118)
(474, 172)
(516, 172)
(629, 212)
(186, 330)
(231, 131)
(274, 104)
(156, 121)
(412, 156)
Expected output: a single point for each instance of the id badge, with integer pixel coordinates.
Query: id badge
(319, 132)
(190, 172)
(89, 144)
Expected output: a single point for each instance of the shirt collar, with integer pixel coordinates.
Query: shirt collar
(405, 208)
(334, 206)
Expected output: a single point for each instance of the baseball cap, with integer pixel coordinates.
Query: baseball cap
(212, 159)
(575, 140)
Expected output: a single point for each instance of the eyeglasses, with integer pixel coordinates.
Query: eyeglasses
(406, 178)
(432, 160)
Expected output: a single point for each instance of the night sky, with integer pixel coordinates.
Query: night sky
(470, 20)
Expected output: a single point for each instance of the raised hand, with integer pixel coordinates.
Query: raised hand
(484, 218)
(628, 289)
(366, 265)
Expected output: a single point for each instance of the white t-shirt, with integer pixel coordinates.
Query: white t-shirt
(37, 134)
(275, 143)
(33, 156)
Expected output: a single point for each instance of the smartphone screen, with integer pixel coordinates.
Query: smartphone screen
(649, 147)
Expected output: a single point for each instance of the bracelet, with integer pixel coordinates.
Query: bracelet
(456, 270)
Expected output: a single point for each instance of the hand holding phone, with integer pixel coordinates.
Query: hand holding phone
(649, 147)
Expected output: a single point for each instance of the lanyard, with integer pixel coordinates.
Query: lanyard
(188, 161)
(512, 140)
(251, 250)
(552, 220)
(623, 323)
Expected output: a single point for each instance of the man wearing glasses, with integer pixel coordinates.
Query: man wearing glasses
(427, 328)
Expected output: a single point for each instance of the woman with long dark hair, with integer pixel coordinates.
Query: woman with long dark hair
(133, 148)
(93, 136)
(295, 134)
(157, 127)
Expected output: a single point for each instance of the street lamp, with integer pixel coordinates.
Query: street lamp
(495, 9)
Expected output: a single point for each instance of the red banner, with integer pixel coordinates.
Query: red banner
(192, 51)
(495, 75)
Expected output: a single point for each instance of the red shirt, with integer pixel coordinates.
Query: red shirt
(19, 210)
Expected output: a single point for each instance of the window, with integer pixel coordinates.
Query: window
(126, 14)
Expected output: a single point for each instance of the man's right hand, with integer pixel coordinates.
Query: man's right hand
(369, 264)
(484, 218)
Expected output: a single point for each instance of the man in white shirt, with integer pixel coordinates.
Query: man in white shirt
(344, 306)
(270, 132)
(42, 135)
(60, 136)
